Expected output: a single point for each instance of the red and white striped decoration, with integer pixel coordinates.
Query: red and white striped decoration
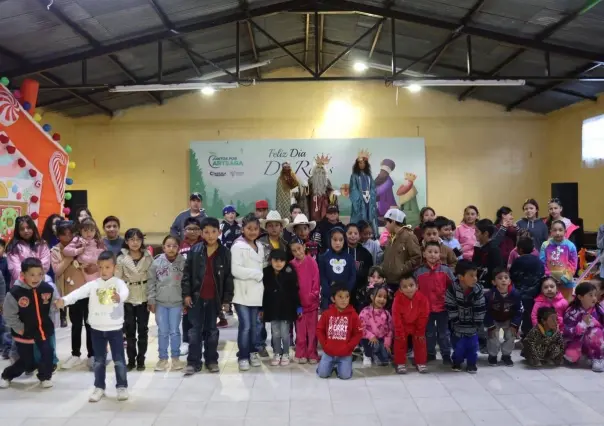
(57, 160)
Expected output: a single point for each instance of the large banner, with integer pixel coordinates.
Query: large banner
(242, 172)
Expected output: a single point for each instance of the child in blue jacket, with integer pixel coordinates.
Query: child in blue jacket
(504, 312)
(336, 265)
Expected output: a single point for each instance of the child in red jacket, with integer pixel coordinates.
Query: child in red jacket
(339, 332)
(410, 312)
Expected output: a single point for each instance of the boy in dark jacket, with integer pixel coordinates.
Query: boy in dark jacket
(525, 273)
(466, 307)
(207, 284)
(487, 255)
(339, 332)
(230, 230)
(363, 262)
(324, 227)
(280, 303)
(27, 311)
(335, 265)
(504, 312)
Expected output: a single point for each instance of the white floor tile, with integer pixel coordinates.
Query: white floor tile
(226, 409)
(492, 418)
(445, 418)
(437, 404)
(470, 401)
(54, 421)
(263, 409)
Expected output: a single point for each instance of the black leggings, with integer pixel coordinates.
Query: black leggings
(136, 320)
(78, 315)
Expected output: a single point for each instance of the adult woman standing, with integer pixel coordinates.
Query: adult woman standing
(363, 192)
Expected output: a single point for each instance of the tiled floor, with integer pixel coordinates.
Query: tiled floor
(281, 396)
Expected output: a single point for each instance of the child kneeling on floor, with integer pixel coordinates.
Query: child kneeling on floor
(339, 332)
(377, 328)
(410, 313)
(106, 317)
(27, 311)
(544, 343)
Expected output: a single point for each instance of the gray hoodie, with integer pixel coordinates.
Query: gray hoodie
(178, 227)
(163, 285)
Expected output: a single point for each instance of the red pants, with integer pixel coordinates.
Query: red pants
(306, 335)
(420, 351)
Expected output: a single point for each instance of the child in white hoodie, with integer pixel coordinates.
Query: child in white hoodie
(106, 317)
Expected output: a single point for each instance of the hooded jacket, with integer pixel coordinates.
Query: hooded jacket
(28, 310)
(410, 316)
(339, 332)
(280, 301)
(537, 228)
(322, 233)
(559, 260)
(575, 329)
(336, 267)
(466, 310)
(362, 261)
(309, 283)
(487, 258)
(502, 308)
(164, 282)
(229, 232)
(525, 273)
(374, 248)
(377, 323)
(401, 256)
(505, 239)
(466, 236)
(246, 267)
(432, 282)
(559, 303)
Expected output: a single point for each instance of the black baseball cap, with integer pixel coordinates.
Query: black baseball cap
(195, 196)
(333, 208)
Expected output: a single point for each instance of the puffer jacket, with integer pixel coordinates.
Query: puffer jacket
(410, 316)
(246, 268)
(134, 275)
(164, 281)
(466, 311)
(22, 251)
(377, 323)
(466, 236)
(401, 256)
(433, 282)
(308, 282)
(559, 303)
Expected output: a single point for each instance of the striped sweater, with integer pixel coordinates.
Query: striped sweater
(466, 311)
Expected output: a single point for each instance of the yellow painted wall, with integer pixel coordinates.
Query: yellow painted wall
(563, 159)
(136, 166)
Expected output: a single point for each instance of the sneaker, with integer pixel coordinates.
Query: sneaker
(302, 360)
(366, 361)
(471, 368)
(122, 394)
(223, 323)
(456, 367)
(597, 366)
(213, 368)
(46, 384)
(483, 349)
(131, 366)
(493, 360)
(4, 384)
(507, 361)
(96, 395)
(184, 348)
(285, 360)
(401, 369)
(313, 361)
(5, 355)
(244, 365)
(431, 357)
(189, 370)
(421, 368)
(262, 353)
(255, 359)
(535, 363)
(446, 359)
(162, 365)
(276, 360)
(140, 367)
(55, 367)
(177, 364)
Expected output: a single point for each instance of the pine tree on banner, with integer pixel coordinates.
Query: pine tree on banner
(196, 182)
(217, 204)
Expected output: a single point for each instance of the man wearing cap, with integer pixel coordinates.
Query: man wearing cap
(402, 253)
(178, 227)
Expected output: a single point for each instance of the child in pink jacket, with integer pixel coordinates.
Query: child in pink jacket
(466, 231)
(552, 298)
(378, 329)
(309, 291)
(25, 242)
(86, 248)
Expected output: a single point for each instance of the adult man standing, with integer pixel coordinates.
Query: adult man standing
(178, 227)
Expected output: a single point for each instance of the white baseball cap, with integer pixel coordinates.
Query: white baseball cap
(395, 215)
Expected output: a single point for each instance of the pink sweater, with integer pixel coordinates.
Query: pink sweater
(21, 252)
(466, 236)
(559, 303)
(377, 323)
(86, 252)
(308, 282)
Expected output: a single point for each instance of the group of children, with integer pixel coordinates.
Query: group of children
(333, 284)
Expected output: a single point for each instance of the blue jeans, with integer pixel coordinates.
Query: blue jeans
(203, 315)
(342, 365)
(378, 350)
(100, 339)
(261, 334)
(168, 330)
(465, 348)
(438, 328)
(246, 336)
(280, 337)
(5, 338)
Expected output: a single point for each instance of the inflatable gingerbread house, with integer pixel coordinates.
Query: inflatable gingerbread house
(33, 165)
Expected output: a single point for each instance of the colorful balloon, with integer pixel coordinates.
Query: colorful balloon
(17, 94)
(4, 81)
(47, 127)
(68, 149)
(26, 106)
(68, 196)
(72, 165)
(66, 211)
(69, 181)
(37, 117)
(15, 189)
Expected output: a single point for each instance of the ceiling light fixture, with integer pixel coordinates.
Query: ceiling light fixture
(173, 86)
(208, 91)
(414, 88)
(242, 67)
(360, 66)
(460, 82)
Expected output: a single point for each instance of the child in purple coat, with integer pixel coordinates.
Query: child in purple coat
(378, 329)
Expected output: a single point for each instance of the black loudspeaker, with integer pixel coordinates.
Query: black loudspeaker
(568, 194)
(79, 199)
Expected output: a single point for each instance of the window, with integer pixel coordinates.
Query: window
(592, 152)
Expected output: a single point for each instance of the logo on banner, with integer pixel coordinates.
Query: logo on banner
(216, 161)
